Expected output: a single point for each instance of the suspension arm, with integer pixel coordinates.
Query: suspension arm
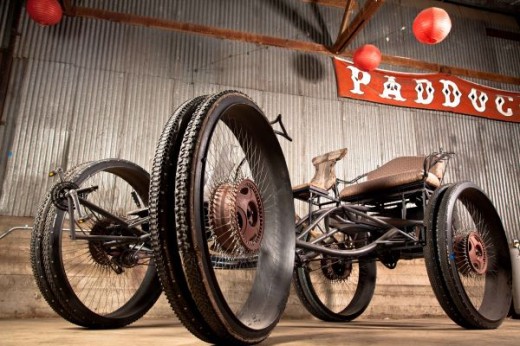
(105, 213)
(365, 250)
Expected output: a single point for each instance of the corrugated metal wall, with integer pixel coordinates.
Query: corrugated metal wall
(89, 89)
(3, 21)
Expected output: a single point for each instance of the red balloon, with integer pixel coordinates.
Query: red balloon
(44, 12)
(367, 57)
(431, 25)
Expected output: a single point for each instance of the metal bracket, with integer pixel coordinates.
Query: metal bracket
(282, 133)
(59, 172)
(12, 229)
(516, 245)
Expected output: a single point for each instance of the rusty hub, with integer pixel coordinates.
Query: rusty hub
(237, 216)
(97, 251)
(470, 254)
(336, 269)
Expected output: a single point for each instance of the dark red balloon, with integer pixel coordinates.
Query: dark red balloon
(367, 57)
(431, 25)
(44, 12)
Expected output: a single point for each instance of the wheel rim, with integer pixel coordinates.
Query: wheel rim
(228, 246)
(248, 283)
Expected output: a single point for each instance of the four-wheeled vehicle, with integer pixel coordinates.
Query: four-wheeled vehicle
(215, 223)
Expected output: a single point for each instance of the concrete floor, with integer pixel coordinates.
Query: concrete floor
(289, 332)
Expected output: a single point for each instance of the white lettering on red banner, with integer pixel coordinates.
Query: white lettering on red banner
(438, 91)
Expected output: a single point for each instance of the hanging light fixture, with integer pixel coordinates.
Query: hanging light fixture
(431, 25)
(44, 12)
(367, 57)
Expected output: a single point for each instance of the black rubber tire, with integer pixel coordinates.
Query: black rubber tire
(431, 259)
(36, 254)
(311, 300)
(357, 298)
(162, 222)
(472, 300)
(252, 319)
(63, 297)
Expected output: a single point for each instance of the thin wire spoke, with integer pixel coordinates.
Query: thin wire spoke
(468, 219)
(231, 158)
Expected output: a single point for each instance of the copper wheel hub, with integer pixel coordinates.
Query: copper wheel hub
(237, 216)
(470, 254)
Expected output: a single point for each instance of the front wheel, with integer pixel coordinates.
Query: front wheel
(234, 224)
(467, 257)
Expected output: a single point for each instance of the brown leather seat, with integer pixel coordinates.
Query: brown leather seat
(397, 172)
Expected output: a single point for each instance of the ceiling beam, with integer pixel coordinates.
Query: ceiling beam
(330, 3)
(303, 46)
(348, 32)
(349, 8)
(68, 8)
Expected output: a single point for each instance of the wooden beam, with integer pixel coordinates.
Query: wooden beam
(507, 35)
(68, 8)
(357, 24)
(330, 3)
(453, 70)
(303, 46)
(346, 17)
(205, 30)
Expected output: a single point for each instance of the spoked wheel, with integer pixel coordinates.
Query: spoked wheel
(105, 282)
(233, 212)
(467, 257)
(332, 288)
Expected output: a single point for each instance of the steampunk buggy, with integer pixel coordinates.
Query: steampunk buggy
(218, 229)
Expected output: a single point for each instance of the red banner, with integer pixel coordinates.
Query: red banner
(438, 91)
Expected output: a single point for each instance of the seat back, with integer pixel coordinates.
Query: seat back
(325, 173)
(437, 165)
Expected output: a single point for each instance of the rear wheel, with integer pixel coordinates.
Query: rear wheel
(471, 257)
(110, 281)
(336, 289)
(233, 210)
